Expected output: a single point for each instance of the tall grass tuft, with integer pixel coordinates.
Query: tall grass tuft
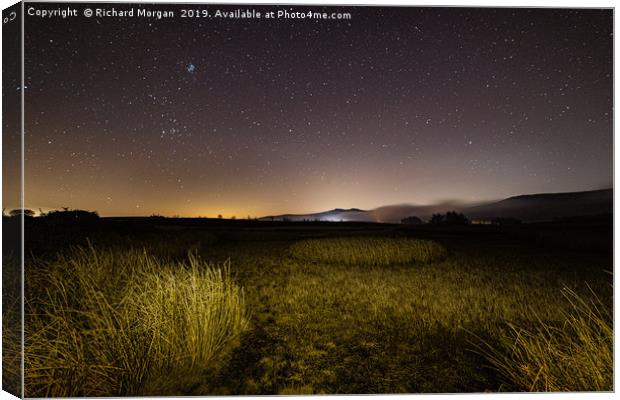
(368, 251)
(576, 355)
(107, 322)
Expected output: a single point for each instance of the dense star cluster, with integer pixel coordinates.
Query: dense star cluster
(200, 117)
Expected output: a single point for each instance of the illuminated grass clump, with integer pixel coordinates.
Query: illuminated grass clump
(106, 323)
(576, 355)
(368, 251)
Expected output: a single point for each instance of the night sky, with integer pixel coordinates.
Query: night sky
(200, 117)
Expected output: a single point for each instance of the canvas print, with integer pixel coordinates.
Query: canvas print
(282, 200)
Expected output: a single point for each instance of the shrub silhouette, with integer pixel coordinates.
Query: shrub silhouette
(450, 218)
(437, 219)
(412, 220)
(454, 218)
(72, 216)
(19, 211)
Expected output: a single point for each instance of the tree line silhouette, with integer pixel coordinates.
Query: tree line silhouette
(449, 218)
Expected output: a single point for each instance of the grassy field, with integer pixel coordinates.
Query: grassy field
(367, 251)
(316, 309)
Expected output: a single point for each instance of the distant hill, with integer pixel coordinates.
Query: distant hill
(546, 206)
(337, 214)
(386, 214)
(528, 208)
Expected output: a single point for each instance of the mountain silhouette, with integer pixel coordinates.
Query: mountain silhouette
(337, 214)
(547, 206)
(528, 208)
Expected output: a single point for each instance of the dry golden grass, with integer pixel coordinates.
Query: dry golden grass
(576, 355)
(108, 322)
(361, 329)
(368, 251)
(326, 319)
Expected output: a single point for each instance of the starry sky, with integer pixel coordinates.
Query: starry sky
(200, 117)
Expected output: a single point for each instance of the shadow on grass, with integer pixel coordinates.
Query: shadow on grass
(390, 360)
